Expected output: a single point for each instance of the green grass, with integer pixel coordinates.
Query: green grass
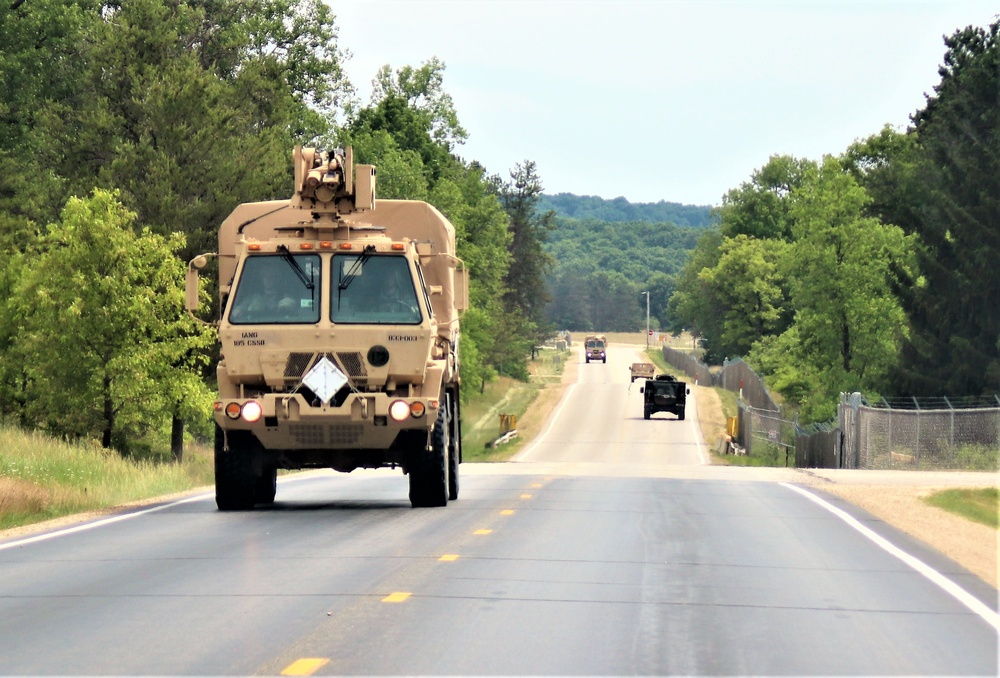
(481, 413)
(43, 478)
(980, 505)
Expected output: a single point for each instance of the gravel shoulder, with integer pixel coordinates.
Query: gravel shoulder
(896, 497)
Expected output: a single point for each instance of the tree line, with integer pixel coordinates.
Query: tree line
(131, 129)
(871, 271)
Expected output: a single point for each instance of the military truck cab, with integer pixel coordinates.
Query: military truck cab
(339, 336)
(595, 348)
(664, 394)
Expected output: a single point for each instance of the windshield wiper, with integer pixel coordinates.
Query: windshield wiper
(355, 269)
(306, 280)
(345, 280)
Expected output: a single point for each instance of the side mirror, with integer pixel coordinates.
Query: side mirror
(461, 288)
(191, 282)
(642, 390)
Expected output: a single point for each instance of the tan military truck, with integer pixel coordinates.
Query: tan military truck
(595, 348)
(642, 370)
(338, 332)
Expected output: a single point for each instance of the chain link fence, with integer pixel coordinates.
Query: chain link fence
(765, 434)
(926, 434)
(912, 433)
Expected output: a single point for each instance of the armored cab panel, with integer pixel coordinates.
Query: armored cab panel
(422, 223)
(258, 220)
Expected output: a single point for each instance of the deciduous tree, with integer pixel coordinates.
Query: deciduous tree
(102, 326)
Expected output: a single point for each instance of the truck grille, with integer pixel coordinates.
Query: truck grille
(352, 364)
(317, 435)
(297, 364)
(307, 434)
(347, 434)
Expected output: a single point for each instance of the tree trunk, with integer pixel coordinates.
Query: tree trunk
(109, 413)
(177, 438)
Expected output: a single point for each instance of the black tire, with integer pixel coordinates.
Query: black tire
(645, 413)
(429, 468)
(454, 449)
(266, 486)
(680, 415)
(604, 360)
(235, 483)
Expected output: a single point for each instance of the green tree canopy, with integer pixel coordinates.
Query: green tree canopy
(102, 326)
(954, 307)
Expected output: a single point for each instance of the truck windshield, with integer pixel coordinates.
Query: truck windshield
(271, 290)
(373, 289)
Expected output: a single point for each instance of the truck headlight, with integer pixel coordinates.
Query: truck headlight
(399, 410)
(252, 411)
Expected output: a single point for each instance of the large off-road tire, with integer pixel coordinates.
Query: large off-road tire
(235, 482)
(429, 468)
(454, 448)
(266, 486)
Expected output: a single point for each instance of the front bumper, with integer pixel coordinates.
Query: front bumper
(289, 422)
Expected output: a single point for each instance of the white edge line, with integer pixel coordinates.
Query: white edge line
(127, 516)
(99, 523)
(988, 615)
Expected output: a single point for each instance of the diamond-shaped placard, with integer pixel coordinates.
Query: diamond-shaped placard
(324, 379)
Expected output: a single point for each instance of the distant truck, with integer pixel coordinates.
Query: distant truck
(338, 334)
(642, 370)
(596, 346)
(664, 394)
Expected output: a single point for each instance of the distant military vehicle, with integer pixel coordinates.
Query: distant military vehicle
(664, 394)
(642, 370)
(339, 336)
(595, 347)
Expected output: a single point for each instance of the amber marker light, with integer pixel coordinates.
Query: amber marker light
(398, 246)
(326, 245)
(305, 246)
(399, 410)
(346, 246)
(254, 247)
(417, 410)
(252, 411)
(233, 410)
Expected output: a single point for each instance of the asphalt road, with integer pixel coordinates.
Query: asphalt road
(608, 547)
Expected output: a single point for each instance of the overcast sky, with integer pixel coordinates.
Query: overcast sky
(676, 100)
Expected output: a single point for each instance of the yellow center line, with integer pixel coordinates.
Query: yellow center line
(397, 597)
(483, 532)
(449, 558)
(304, 667)
(507, 512)
(525, 496)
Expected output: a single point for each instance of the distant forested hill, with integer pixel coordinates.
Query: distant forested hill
(603, 268)
(620, 209)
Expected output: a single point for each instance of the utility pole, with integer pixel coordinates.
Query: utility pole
(647, 320)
